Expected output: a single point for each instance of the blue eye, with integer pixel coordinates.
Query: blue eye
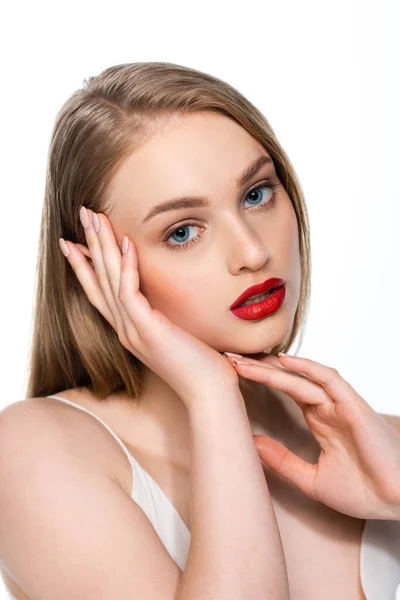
(180, 231)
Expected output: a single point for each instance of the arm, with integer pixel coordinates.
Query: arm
(67, 527)
(68, 530)
(236, 550)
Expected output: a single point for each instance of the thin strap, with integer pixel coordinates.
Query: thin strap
(132, 460)
(146, 492)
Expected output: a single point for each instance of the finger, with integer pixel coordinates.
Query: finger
(96, 254)
(113, 263)
(106, 257)
(286, 464)
(329, 378)
(122, 272)
(271, 359)
(88, 280)
(134, 303)
(268, 360)
(83, 249)
(302, 390)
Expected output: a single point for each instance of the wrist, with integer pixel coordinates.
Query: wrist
(213, 403)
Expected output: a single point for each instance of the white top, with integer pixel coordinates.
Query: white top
(380, 541)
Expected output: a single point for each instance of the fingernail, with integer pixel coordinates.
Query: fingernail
(250, 364)
(233, 354)
(84, 217)
(63, 247)
(283, 354)
(96, 222)
(125, 244)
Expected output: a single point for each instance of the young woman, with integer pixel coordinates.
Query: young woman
(131, 469)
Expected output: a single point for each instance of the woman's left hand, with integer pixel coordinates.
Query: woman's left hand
(358, 470)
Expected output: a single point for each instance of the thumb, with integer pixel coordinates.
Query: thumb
(286, 464)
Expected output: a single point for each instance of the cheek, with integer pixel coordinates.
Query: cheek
(185, 297)
(293, 235)
(293, 250)
(283, 236)
(169, 291)
(285, 247)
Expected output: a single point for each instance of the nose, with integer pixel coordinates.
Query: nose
(247, 249)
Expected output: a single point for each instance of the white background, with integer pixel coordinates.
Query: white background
(326, 76)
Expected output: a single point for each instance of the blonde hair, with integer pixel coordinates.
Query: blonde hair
(94, 131)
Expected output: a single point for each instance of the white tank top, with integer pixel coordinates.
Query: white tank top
(380, 541)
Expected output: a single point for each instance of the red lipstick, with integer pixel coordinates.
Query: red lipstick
(259, 309)
(258, 288)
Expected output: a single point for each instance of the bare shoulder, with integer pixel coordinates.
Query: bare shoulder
(42, 425)
(79, 533)
(393, 420)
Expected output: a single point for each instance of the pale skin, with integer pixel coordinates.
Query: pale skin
(239, 245)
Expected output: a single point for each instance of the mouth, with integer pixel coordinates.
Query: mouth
(258, 298)
(263, 305)
(258, 292)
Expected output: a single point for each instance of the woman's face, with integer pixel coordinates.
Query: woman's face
(240, 238)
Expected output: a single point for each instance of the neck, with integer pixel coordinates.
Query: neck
(162, 424)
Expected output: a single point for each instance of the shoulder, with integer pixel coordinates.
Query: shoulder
(35, 416)
(56, 512)
(51, 432)
(393, 420)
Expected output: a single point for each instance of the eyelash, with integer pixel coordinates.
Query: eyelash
(269, 204)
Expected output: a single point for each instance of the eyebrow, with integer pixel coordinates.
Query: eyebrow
(202, 201)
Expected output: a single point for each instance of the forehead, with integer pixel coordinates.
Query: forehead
(191, 154)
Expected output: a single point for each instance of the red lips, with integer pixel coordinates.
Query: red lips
(258, 288)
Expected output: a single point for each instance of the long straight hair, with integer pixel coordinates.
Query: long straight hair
(95, 130)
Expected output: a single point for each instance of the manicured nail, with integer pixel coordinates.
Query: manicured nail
(63, 247)
(125, 244)
(249, 364)
(84, 217)
(96, 222)
(232, 354)
(283, 354)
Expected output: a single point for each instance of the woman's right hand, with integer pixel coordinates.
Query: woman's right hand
(187, 364)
